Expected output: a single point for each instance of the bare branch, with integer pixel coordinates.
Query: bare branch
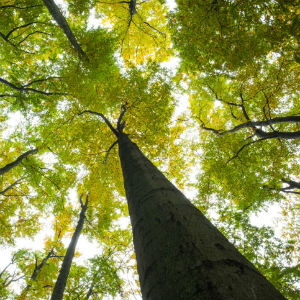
(41, 80)
(289, 189)
(278, 134)
(260, 133)
(215, 131)
(14, 279)
(292, 184)
(22, 26)
(80, 201)
(243, 107)
(127, 2)
(30, 34)
(38, 267)
(220, 99)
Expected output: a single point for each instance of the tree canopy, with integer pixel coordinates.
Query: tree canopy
(71, 68)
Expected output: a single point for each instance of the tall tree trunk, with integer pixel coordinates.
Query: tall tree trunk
(180, 254)
(63, 24)
(61, 281)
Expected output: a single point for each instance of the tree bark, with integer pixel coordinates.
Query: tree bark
(180, 254)
(15, 163)
(63, 24)
(61, 281)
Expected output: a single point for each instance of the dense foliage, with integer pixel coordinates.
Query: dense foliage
(63, 69)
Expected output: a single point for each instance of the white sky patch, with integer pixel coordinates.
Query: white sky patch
(49, 159)
(63, 6)
(171, 4)
(172, 64)
(87, 249)
(14, 120)
(268, 217)
(93, 21)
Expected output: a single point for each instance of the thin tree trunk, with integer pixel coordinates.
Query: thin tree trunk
(61, 281)
(180, 254)
(63, 24)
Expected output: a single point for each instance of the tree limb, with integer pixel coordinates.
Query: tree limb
(115, 132)
(260, 133)
(11, 186)
(120, 123)
(13, 164)
(21, 26)
(19, 7)
(292, 185)
(63, 24)
(23, 88)
(108, 151)
(242, 148)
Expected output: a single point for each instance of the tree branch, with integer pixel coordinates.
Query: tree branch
(18, 7)
(22, 26)
(127, 2)
(115, 132)
(242, 148)
(13, 164)
(24, 88)
(108, 151)
(11, 186)
(289, 189)
(120, 123)
(63, 24)
(38, 267)
(260, 133)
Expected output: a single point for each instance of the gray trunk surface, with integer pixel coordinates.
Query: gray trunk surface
(61, 281)
(180, 254)
(63, 24)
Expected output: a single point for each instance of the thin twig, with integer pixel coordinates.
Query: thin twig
(108, 151)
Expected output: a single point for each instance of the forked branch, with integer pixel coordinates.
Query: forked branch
(259, 132)
(120, 123)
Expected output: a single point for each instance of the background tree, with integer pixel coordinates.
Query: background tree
(242, 70)
(47, 85)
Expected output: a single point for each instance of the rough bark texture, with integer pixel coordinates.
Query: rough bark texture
(61, 281)
(180, 254)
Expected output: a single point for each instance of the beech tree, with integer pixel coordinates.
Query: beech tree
(66, 71)
(62, 278)
(242, 81)
(189, 259)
